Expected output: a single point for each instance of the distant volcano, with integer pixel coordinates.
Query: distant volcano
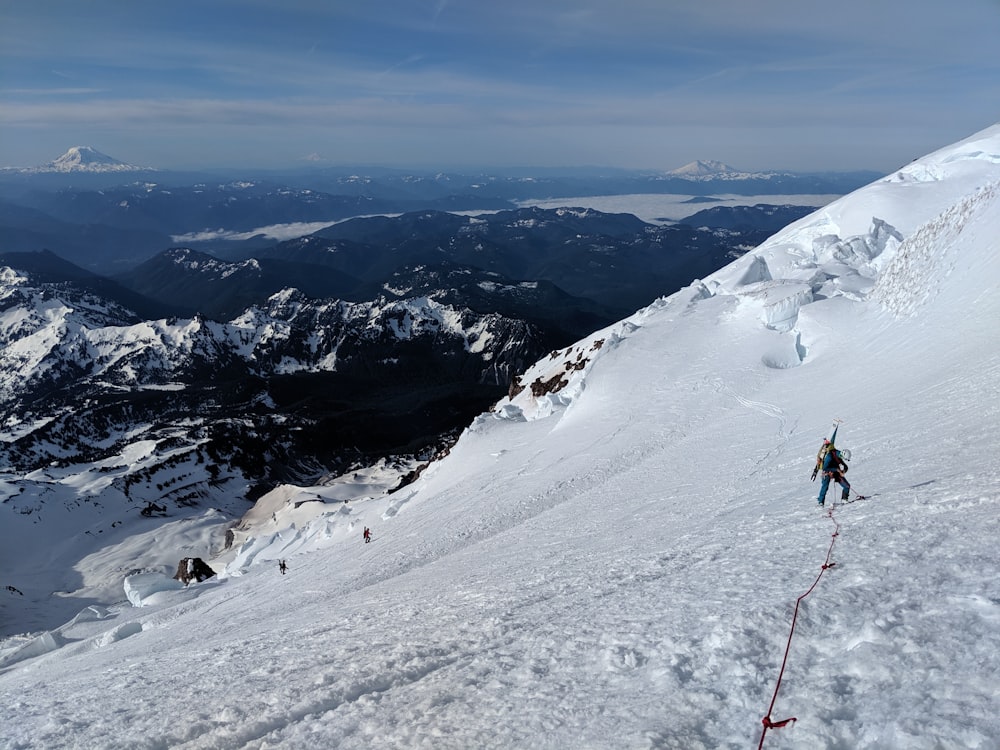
(709, 170)
(87, 159)
(701, 168)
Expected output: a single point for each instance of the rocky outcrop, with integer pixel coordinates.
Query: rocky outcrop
(193, 569)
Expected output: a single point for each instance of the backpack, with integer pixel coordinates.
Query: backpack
(823, 450)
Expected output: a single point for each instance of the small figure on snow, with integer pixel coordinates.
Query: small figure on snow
(282, 567)
(833, 468)
(368, 535)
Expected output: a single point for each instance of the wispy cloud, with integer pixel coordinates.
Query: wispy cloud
(255, 71)
(51, 92)
(402, 63)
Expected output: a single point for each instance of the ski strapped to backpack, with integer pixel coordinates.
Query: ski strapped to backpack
(825, 448)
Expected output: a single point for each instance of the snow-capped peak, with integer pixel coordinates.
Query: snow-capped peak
(87, 159)
(702, 168)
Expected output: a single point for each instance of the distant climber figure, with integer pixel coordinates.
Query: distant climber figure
(368, 535)
(833, 468)
(282, 567)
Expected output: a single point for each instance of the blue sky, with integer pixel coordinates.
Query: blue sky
(648, 84)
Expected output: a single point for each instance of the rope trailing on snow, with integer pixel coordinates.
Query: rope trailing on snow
(856, 497)
(766, 721)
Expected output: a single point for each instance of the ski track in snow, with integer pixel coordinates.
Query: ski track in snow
(768, 410)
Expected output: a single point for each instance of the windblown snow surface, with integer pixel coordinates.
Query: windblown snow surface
(615, 563)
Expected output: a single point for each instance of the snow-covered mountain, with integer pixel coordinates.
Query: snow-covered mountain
(703, 168)
(87, 159)
(626, 552)
(82, 378)
(706, 170)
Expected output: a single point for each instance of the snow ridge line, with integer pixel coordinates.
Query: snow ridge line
(766, 721)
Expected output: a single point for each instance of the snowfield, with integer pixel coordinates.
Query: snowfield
(612, 558)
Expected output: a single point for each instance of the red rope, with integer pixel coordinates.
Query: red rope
(766, 721)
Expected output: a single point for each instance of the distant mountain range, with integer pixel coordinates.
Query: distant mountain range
(85, 186)
(108, 216)
(759, 217)
(256, 361)
(614, 263)
(82, 376)
(305, 348)
(86, 159)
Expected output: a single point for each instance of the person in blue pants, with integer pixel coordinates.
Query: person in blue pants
(833, 468)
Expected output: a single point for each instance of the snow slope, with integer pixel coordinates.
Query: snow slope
(611, 558)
